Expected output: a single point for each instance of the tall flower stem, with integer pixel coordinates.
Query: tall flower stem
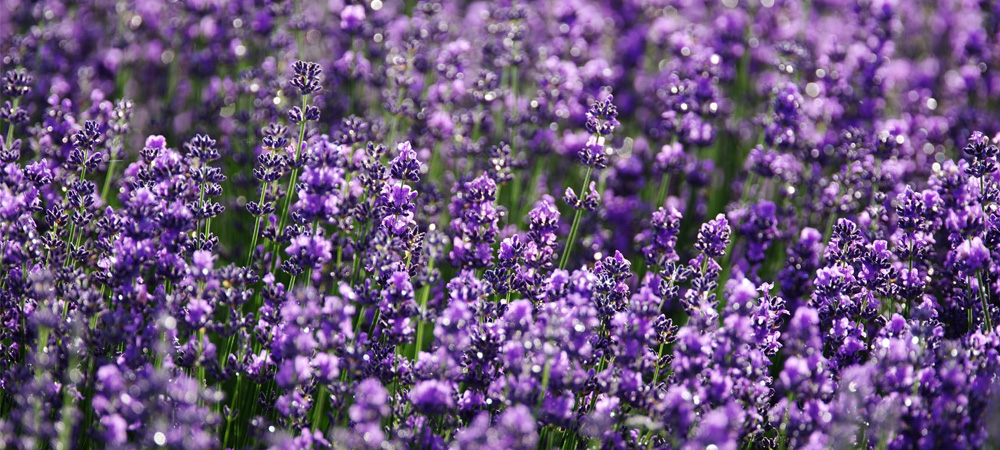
(576, 224)
(662, 195)
(318, 413)
(82, 176)
(256, 227)
(424, 296)
(10, 126)
(111, 170)
(782, 439)
(986, 307)
(295, 168)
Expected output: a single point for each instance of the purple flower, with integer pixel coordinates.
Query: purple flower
(306, 77)
(202, 263)
(310, 251)
(474, 222)
(405, 166)
(432, 397)
(972, 255)
(713, 238)
(982, 153)
(602, 117)
(670, 159)
(351, 17)
(399, 288)
(156, 142)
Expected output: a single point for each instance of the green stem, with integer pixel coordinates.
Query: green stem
(318, 414)
(986, 310)
(230, 416)
(576, 224)
(72, 227)
(69, 406)
(545, 384)
(424, 296)
(783, 428)
(256, 227)
(395, 118)
(295, 168)
(111, 169)
(662, 195)
(10, 126)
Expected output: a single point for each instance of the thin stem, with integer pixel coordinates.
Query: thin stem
(320, 401)
(986, 309)
(576, 225)
(783, 428)
(83, 176)
(747, 187)
(662, 195)
(395, 117)
(545, 384)
(10, 126)
(256, 227)
(309, 273)
(424, 296)
(69, 405)
(111, 170)
(231, 415)
(871, 204)
(295, 167)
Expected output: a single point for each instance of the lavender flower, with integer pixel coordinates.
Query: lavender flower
(300, 225)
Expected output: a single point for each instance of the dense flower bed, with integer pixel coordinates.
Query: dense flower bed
(627, 224)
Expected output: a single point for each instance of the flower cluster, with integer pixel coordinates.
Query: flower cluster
(430, 224)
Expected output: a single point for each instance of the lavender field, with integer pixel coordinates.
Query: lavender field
(555, 224)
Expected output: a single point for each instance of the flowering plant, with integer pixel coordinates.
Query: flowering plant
(499, 225)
